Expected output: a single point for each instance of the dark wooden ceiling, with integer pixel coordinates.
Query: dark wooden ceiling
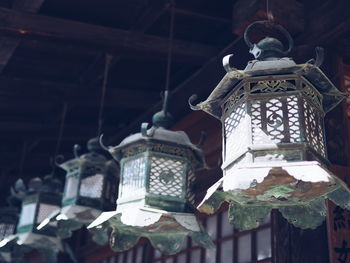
(53, 52)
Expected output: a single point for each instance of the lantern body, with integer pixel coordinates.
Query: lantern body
(8, 221)
(274, 151)
(155, 197)
(35, 208)
(39, 201)
(271, 122)
(156, 173)
(91, 182)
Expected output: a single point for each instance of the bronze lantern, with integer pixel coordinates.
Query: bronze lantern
(274, 150)
(157, 169)
(39, 200)
(90, 188)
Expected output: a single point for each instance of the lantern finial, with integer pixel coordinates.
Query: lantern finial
(163, 118)
(268, 48)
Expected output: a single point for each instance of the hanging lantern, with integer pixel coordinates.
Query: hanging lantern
(90, 188)
(157, 170)
(274, 150)
(8, 223)
(38, 201)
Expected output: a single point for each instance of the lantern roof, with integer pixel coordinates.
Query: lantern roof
(96, 154)
(159, 133)
(270, 60)
(49, 184)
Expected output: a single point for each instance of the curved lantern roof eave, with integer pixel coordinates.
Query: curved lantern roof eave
(281, 66)
(161, 135)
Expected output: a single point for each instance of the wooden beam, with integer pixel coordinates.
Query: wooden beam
(288, 13)
(150, 15)
(20, 24)
(8, 45)
(196, 15)
(17, 91)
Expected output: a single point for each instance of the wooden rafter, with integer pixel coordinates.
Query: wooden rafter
(19, 24)
(8, 45)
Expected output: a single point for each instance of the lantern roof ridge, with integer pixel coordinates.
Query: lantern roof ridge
(279, 66)
(95, 154)
(159, 135)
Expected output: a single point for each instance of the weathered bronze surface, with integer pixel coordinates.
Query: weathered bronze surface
(274, 152)
(155, 192)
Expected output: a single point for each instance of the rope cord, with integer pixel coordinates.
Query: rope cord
(108, 59)
(170, 48)
(60, 134)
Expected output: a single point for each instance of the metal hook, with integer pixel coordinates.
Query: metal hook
(271, 24)
(191, 100)
(226, 63)
(144, 128)
(102, 144)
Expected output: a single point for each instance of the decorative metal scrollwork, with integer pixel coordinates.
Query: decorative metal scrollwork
(274, 120)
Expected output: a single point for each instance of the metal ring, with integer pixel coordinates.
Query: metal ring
(278, 27)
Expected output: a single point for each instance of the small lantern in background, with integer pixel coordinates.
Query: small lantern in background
(8, 223)
(156, 172)
(274, 149)
(90, 188)
(38, 201)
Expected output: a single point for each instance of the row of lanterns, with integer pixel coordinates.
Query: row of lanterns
(274, 157)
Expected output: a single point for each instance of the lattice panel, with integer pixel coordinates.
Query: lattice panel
(190, 182)
(293, 119)
(236, 127)
(71, 187)
(258, 135)
(133, 179)
(91, 186)
(6, 230)
(166, 177)
(44, 211)
(314, 128)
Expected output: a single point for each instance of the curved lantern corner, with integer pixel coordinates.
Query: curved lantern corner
(155, 198)
(39, 199)
(274, 151)
(90, 188)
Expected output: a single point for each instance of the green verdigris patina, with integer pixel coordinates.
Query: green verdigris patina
(274, 151)
(155, 192)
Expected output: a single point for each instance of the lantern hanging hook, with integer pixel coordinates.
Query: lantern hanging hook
(317, 62)
(191, 100)
(102, 144)
(257, 51)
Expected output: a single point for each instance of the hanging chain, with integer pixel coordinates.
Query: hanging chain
(108, 59)
(60, 135)
(170, 48)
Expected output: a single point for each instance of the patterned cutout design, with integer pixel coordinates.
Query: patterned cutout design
(166, 177)
(314, 128)
(92, 186)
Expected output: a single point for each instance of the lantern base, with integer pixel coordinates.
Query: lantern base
(165, 230)
(19, 244)
(298, 190)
